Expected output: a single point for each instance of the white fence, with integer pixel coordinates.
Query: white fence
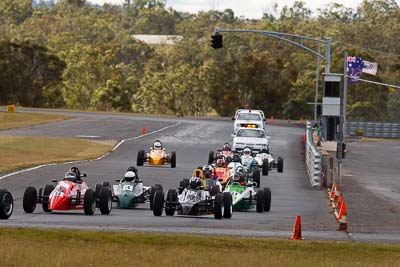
(313, 159)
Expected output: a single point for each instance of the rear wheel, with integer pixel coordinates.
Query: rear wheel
(106, 184)
(158, 203)
(140, 158)
(267, 199)
(46, 193)
(265, 167)
(186, 182)
(260, 201)
(98, 190)
(105, 200)
(170, 206)
(227, 198)
(153, 190)
(214, 190)
(6, 204)
(256, 176)
(89, 202)
(173, 159)
(280, 164)
(218, 202)
(211, 157)
(30, 199)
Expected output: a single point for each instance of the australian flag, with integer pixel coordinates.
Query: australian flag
(354, 67)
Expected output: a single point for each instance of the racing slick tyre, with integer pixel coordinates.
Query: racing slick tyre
(173, 159)
(105, 200)
(98, 190)
(6, 204)
(218, 203)
(30, 199)
(140, 158)
(89, 202)
(170, 206)
(214, 190)
(256, 176)
(211, 157)
(227, 198)
(106, 184)
(265, 167)
(267, 199)
(280, 164)
(46, 193)
(260, 201)
(186, 182)
(153, 191)
(158, 203)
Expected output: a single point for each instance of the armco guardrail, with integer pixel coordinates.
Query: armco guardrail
(313, 159)
(373, 129)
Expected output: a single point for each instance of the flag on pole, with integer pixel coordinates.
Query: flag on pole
(370, 67)
(354, 67)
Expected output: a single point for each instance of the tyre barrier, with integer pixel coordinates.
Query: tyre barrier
(338, 205)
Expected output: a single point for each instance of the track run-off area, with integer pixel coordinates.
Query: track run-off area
(192, 139)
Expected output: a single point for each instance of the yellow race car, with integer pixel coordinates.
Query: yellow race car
(156, 156)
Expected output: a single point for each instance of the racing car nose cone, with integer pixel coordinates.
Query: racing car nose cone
(58, 203)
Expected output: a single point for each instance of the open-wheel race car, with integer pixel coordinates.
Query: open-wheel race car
(245, 197)
(268, 162)
(6, 204)
(130, 191)
(250, 166)
(70, 193)
(225, 153)
(194, 199)
(156, 156)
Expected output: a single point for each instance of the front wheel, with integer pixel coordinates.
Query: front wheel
(211, 157)
(140, 158)
(89, 202)
(265, 167)
(280, 164)
(6, 204)
(105, 200)
(173, 159)
(170, 206)
(256, 176)
(260, 201)
(227, 198)
(267, 199)
(158, 203)
(30, 199)
(218, 202)
(46, 193)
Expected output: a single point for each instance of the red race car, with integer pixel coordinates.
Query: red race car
(71, 193)
(226, 152)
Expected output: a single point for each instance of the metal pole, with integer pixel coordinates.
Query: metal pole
(316, 84)
(328, 55)
(341, 123)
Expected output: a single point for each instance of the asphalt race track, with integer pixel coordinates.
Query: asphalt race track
(192, 139)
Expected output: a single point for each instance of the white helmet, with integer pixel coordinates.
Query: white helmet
(157, 144)
(129, 176)
(247, 151)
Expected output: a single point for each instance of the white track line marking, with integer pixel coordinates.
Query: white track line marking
(89, 160)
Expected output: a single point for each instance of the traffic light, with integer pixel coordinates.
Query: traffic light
(216, 40)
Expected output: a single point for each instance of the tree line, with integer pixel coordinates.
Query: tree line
(72, 54)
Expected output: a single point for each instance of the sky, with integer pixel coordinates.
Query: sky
(247, 8)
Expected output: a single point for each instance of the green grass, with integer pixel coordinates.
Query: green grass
(18, 120)
(25, 151)
(33, 247)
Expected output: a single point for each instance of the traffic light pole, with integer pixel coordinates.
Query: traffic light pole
(284, 37)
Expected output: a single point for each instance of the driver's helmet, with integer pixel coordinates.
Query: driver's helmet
(236, 158)
(227, 147)
(157, 145)
(239, 177)
(208, 171)
(220, 162)
(239, 169)
(195, 182)
(132, 169)
(228, 160)
(70, 176)
(264, 149)
(129, 176)
(76, 171)
(247, 151)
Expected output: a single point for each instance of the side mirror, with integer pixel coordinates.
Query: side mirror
(54, 180)
(118, 180)
(233, 135)
(268, 136)
(254, 184)
(264, 119)
(233, 118)
(84, 175)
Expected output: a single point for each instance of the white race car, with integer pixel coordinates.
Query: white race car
(254, 138)
(267, 162)
(248, 119)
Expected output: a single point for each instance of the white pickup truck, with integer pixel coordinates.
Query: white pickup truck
(255, 138)
(249, 119)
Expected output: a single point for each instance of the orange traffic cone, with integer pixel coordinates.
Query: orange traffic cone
(144, 131)
(272, 119)
(342, 217)
(339, 202)
(297, 230)
(301, 121)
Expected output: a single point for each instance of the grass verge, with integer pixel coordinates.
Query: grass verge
(25, 151)
(18, 120)
(33, 247)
